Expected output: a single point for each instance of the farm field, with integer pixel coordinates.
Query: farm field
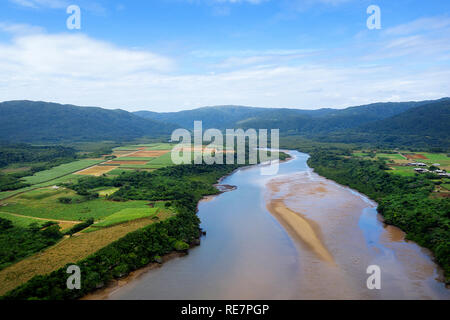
(43, 203)
(398, 161)
(142, 156)
(68, 250)
(62, 170)
(126, 215)
(402, 171)
(64, 179)
(19, 221)
(96, 171)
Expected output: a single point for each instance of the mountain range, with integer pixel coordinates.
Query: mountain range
(423, 121)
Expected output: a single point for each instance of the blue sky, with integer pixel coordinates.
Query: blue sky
(169, 55)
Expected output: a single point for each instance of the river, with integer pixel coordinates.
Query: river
(294, 235)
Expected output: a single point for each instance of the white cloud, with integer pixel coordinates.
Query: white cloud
(19, 28)
(54, 4)
(420, 25)
(77, 69)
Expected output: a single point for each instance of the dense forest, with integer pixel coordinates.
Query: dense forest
(403, 201)
(18, 242)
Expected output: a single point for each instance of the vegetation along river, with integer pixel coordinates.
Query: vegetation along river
(294, 235)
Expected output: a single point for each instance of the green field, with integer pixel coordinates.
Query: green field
(119, 171)
(59, 171)
(165, 160)
(402, 171)
(393, 156)
(125, 215)
(41, 204)
(64, 179)
(20, 221)
(106, 192)
(134, 159)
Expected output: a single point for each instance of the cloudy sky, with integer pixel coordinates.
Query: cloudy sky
(169, 55)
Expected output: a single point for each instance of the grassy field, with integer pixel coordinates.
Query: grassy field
(105, 192)
(135, 159)
(165, 160)
(392, 156)
(403, 171)
(43, 203)
(67, 178)
(126, 215)
(20, 221)
(59, 171)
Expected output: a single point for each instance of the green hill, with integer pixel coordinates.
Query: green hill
(428, 120)
(30, 121)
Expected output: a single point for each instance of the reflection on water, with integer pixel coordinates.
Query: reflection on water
(248, 254)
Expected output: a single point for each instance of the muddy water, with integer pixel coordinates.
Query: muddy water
(295, 235)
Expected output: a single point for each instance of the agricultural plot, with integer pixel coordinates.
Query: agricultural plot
(96, 171)
(66, 251)
(31, 204)
(392, 156)
(60, 171)
(124, 162)
(65, 179)
(402, 171)
(398, 161)
(126, 215)
(20, 221)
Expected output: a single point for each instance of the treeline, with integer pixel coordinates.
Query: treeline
(17, 242)
(25, 153)
(185, 185)
(38, 158)
(403, 201)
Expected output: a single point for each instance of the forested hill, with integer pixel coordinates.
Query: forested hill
(430, 120)
(29, 121)
(290, 121)
(220, 117)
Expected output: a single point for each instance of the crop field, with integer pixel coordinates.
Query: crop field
(68, 250)
(64, 179)
(106, 192)
(392, 156)
(50, 208)
(403, 171)
(96, 170)
(155, 153)
(122, 162)
(19, 221)
(415, 156)
(59, 171)
(119, 171)
(126, 215)
(133, 158)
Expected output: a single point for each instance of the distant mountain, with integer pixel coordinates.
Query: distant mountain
(422, 122)
(219, 117)
(428, 120)
(425, 126)
(290, 121)
(30, 121)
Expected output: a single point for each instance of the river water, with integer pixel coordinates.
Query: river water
(252, 252)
